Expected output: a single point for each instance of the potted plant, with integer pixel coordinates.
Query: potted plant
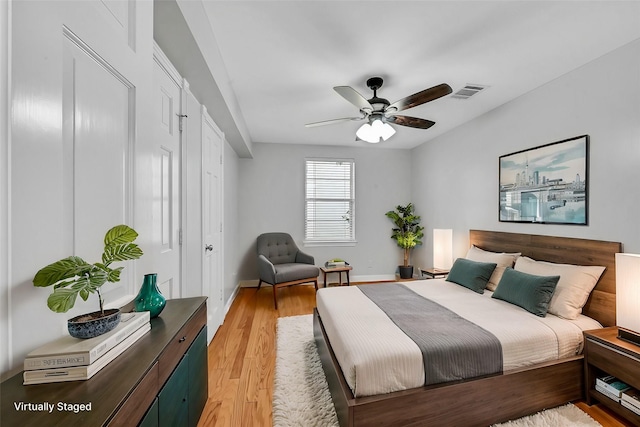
(73, 276)
(407, 234)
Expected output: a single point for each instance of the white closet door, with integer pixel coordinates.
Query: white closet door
(212, 274)
(166, 207)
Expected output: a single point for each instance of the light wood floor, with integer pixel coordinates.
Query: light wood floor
(242, 359)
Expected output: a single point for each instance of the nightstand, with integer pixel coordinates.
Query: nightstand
(605, 354)
(434, 273)
(346, 269)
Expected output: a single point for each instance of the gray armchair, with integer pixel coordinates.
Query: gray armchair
(281, 263)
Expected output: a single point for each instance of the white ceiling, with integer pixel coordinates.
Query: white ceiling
(284, 57)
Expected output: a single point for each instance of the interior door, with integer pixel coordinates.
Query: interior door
(212, 139)
(80, 88)
(166, 205)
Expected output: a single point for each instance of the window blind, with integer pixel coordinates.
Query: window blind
(330, 200)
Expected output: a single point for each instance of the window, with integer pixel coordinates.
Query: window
(329, 201)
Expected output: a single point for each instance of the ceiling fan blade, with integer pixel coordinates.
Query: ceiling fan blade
(420, 98)
(351, 95)
(413, 122)
(331, 122)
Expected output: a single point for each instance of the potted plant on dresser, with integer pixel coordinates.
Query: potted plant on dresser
(73, 276)
(407, 234)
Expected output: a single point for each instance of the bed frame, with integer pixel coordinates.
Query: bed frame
(492, 399)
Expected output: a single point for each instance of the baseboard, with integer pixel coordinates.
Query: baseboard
(248, 283)
(230, 301)
(253, 283)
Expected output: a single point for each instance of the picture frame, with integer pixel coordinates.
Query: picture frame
(547, 184)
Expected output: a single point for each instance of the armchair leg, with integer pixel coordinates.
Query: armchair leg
(315, 283)
(275, 297)
(259, 284)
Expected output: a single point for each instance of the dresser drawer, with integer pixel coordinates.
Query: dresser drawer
(140, 399)
(180, 344)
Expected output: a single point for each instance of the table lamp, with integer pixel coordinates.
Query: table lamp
(628, 297)
(442, 248)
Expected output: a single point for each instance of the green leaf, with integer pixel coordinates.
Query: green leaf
(121, 252)
(114, 275)
(66, 268)
(62, 300)
(90, 282)
(84, 294)
(120, 234)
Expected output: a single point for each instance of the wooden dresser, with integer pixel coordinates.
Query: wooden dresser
(160, 380)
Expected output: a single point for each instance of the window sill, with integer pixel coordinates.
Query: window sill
(310, 243)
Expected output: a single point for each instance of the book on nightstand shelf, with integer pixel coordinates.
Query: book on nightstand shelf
(75, 373)
(611, 387)
(336, 262)
(68, 351)
(630, 399)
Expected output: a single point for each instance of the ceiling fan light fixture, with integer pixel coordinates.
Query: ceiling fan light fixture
(373, 132)
(367, 134)
(386, 131)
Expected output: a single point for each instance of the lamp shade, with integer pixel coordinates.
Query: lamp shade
(442, 248)
(372, 132)
(628, 291)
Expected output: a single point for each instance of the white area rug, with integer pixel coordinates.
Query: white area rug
(301, 395)
(563, 416)
(300, 391)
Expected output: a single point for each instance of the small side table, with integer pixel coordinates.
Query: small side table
(606, 354)
(434, 273)
(346, 269)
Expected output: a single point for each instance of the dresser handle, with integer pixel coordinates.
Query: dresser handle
(183, 339)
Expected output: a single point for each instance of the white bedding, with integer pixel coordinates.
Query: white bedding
(377, 357)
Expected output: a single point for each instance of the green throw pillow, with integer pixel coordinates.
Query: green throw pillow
(533, 293)
(471, 274)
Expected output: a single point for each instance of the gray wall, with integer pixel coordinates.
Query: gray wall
(459, 170)
(453, 180)
(271, 198)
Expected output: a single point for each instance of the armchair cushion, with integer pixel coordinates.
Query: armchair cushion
(279, 248)
(295, 271)
(304, 258)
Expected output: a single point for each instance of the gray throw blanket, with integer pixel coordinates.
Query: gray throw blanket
(452, 348)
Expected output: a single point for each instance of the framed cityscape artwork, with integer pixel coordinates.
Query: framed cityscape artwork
(546, 184)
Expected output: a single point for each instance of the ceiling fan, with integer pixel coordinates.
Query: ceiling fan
(379, 112)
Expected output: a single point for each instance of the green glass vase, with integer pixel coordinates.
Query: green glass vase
(150, 299)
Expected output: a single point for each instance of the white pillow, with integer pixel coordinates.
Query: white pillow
(501, 259)
(573, 289)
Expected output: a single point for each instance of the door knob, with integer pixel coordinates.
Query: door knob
(208, 248)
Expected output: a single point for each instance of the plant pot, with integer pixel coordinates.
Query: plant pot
(406, 272)
(91, 325)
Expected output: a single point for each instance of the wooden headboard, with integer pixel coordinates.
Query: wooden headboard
(602, 302)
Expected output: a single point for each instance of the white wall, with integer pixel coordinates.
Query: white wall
(271, 198)
(455, 177)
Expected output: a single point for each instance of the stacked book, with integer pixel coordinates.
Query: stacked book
(611, 387)
(72, 359)
(631, 400)
(334, 263)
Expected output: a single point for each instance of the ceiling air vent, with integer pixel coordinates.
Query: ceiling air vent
(468, 91)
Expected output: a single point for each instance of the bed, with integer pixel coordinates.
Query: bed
(516, 391)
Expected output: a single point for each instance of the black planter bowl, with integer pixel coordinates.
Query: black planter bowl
(91, 325)
(406, 272)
